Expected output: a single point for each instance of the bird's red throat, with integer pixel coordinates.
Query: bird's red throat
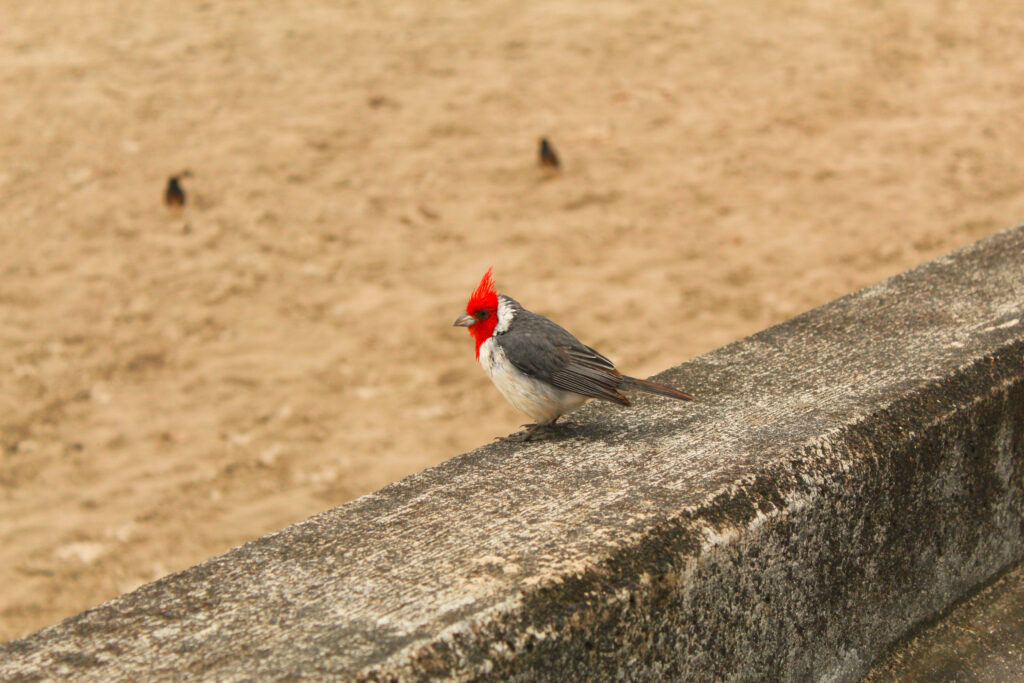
(482, 331)
(483, 305)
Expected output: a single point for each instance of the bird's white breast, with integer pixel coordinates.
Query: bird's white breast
(540, 400)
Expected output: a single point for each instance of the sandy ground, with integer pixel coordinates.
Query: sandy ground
(167, 395)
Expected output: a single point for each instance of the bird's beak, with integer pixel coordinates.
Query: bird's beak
(464, 320)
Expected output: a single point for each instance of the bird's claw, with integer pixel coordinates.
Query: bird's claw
(531, 433)
(518, 437)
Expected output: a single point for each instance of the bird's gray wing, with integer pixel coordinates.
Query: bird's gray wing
(546, 351)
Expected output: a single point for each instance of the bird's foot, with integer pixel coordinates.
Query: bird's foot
(533, 432)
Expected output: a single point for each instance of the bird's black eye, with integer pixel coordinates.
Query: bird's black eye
(482, 315)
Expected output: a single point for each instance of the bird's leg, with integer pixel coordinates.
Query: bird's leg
(564, 423)
(534, 432)
(528, 434)
(531, 433)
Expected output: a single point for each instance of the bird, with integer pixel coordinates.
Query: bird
(546, 156)
(538, 366)
(174, 195)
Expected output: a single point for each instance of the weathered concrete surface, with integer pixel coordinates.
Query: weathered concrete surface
(843, 476)
(980, 639)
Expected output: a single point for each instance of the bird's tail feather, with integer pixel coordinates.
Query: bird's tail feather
(655, 388)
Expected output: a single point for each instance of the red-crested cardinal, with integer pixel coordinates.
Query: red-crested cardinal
(539, 367)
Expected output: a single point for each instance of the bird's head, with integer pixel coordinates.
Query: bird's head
(481, 314)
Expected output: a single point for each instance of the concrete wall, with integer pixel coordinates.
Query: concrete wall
(981, 639)
(843, 476)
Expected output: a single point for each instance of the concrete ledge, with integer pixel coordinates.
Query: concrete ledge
(844, 476)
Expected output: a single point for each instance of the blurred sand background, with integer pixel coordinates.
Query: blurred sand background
(357, 166)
